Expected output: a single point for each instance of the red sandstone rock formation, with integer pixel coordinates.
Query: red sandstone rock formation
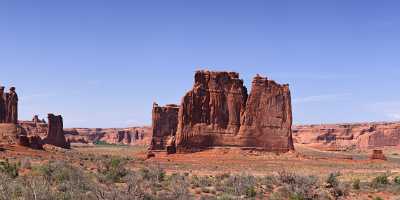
(218, 112)
(349, 136)
(2, 106)
(165, 121)
(8, 106)
(267, 120)
(12, 106)
(9, 133)
(378, 155)
(55, 134)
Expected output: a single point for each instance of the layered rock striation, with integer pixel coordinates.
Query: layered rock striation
(219, 112)
(119, 136)
(8, 106)
(165, 122)
(349, 136)
(55, 133)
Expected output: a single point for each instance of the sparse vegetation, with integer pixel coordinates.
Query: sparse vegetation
(10, 169)
(380, 180)
(102, 176)
(356, 184)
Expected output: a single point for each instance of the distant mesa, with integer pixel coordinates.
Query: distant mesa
(130, 136)
(218, 111)
(342, 137)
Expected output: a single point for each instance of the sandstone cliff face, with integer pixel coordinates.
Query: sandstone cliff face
(165, 121)
(120, 136)
(267, 120)
(55, 133)
(218, 112)
(9, 133)
(349, 136)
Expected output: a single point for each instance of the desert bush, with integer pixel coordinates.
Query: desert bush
(25, 163)
(396, 180)
(10, 169)
(267, 183)
(332, 180)
(239, 185)
(178, 186)
(336, 188)
(153, 173)
(297, 186)
(6, 186)
(356, 184)
(380, 180)
(202, 181)
(64, 180)
(112, 169)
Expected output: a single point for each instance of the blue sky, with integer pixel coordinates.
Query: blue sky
(103, 63)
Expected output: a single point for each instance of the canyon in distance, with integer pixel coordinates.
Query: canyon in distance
(222, 141)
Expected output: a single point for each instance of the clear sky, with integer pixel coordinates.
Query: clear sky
(103, 63)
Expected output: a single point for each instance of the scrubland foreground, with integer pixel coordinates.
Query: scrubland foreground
(122, 172)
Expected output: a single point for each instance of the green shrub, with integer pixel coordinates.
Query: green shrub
(336, 187)
(356, 184)
(25, 163)
(238, 185)
(296, 186)
(397, 180)
(380, 180)
(332, 180)
(251, 192)
(11, 169)
(112, 169)
(153, 173)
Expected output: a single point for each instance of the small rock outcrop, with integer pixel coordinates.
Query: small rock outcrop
(164, 120)
(378, 155)
(219, 112)
(55, 133)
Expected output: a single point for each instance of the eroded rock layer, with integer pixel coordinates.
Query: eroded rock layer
(55, 133)
(349, 136)
(267, 120)
(219, 112)
(120, 136)
(165, 121)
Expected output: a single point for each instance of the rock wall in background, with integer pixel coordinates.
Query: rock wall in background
(349, 136)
